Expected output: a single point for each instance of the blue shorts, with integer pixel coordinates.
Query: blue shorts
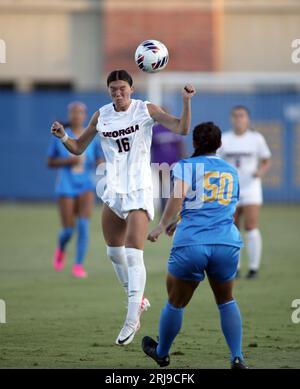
(220, 262)
(73, 194)
(73, 190)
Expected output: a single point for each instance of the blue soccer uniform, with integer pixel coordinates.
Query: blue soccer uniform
(206, 238)
(74, 180)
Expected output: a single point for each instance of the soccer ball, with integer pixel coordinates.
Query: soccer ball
(151, 56)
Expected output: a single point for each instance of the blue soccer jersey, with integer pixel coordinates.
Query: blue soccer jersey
(74, 180)
(209, 206)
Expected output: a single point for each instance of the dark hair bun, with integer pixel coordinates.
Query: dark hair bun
(207, 138)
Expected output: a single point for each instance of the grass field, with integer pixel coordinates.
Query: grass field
(55, 321)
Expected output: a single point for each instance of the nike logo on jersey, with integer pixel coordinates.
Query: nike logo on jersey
(117, 133)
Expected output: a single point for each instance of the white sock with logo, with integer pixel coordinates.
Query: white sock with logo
(136, 284)
(254, 248)
(117, 255)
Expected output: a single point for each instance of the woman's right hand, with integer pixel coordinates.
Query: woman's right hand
(154, 234)
(74, 160)
(58, 130)
(77, 160)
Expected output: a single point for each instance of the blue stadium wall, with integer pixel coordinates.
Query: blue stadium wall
(25, 120)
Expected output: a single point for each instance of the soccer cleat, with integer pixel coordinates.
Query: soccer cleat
(252, 274)
(59, 259)
(145, 305)
(127, 334)
(237, 363)
(149, 347)
(78, 271)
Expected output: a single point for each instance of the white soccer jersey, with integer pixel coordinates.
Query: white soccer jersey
(244, 152)
(126, 140)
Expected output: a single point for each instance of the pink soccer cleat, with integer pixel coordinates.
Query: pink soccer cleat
(145, 305)
(59, 259)
(78, 271)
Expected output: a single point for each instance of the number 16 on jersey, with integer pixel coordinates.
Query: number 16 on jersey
(123, 145)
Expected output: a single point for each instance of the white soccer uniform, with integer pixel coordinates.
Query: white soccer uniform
(126, 140)
(245, 153)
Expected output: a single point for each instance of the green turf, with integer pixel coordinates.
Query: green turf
(55, 321)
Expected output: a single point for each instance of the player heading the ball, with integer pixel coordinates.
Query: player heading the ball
(128, 205)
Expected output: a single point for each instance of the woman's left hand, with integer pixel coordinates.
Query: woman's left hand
(171, 228)
(188, 91)
(154, 234)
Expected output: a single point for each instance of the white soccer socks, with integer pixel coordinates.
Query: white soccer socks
(117, 255)
(136, 284)
(254, 248)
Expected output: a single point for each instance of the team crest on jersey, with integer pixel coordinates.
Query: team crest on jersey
(118, 133)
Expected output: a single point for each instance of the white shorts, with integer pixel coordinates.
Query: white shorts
(251, 194)
(122, 204)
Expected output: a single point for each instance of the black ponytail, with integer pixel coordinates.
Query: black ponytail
(207, 138)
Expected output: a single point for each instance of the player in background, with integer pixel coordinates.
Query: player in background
(167, 147)
(125, 129)
(75, 190)
(248, 151)
(206, 191)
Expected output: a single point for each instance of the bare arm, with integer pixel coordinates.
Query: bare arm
(100, 160)
(264, 167)
(178, 125)
(182, 150)
(61, 162)
(171, 211)
(77, 146)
